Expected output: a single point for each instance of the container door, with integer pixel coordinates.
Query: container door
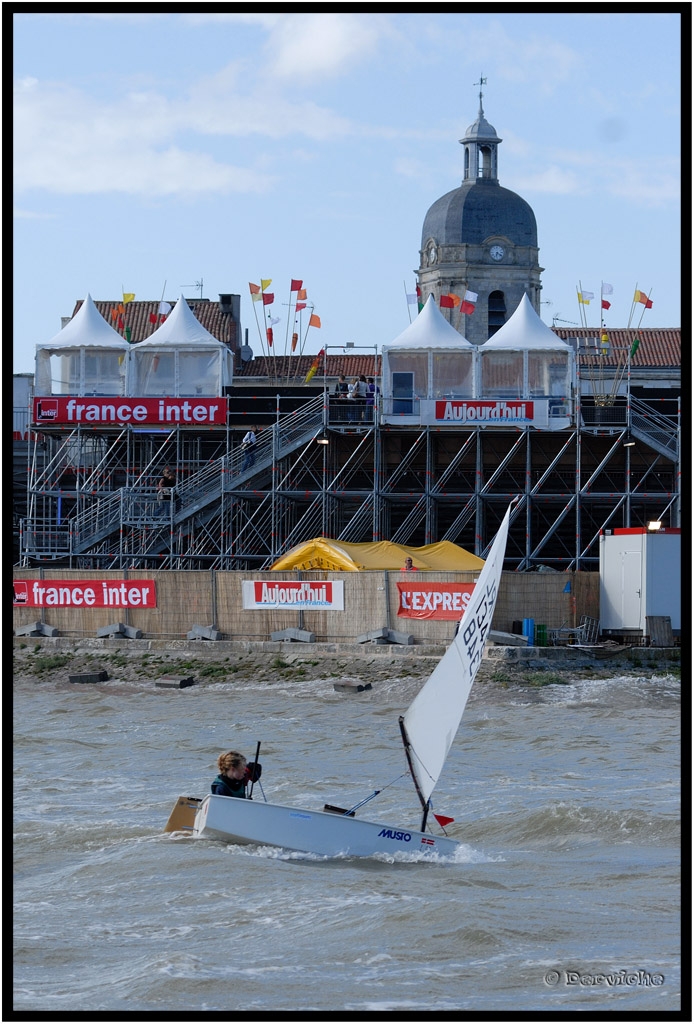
(631, 590)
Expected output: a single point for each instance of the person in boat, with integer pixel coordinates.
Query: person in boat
(234, 774)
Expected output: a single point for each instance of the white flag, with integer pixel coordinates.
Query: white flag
(586, 295)
(164, 307)
(606, 288)
(274, 320)
(471, 296)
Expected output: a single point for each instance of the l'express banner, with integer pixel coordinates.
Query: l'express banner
(294, 594)
(433, 600)
(197, 412)
(85, 593)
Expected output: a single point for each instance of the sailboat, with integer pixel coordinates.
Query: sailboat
(428, 729)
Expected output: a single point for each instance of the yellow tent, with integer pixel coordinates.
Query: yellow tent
(336, 556)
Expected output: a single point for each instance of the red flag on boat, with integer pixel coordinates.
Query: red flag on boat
(268, 298)
(443, 820)
(296, 286)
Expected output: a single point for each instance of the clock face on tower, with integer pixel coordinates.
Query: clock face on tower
(432, 253)
(497, 252)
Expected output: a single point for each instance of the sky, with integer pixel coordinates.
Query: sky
(185, 153)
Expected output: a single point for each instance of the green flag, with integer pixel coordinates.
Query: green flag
(634, 347)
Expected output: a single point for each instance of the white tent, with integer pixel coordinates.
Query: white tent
(179, 359)
(430, 359)
(87, 357)
(525, 359)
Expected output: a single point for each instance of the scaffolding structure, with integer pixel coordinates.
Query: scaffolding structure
(92, 499)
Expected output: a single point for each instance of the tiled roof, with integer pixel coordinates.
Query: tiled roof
(136, 317)
(298, 366)
(659, 347)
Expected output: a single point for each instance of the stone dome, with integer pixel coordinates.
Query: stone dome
(477, 209)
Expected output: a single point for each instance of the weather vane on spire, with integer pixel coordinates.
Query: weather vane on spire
(482, 81)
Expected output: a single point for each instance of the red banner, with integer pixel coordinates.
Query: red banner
(95, 412)
(433, 600)
(85, 593)
(485, 411)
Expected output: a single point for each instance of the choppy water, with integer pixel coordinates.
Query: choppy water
(566, 895)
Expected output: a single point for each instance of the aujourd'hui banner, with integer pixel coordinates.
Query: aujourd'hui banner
(85, 593)
(97, 412)
(433, 600)
(294, 594)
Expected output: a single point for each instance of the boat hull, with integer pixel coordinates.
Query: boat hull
(318, 832)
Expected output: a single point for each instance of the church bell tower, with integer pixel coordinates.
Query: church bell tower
(480, 239)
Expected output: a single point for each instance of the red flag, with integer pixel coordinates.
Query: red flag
(642, 297)
(114, 314)
(446, 302)
(467, 308)
(269, 337)
(296, 286)
(121, 325)
(268, 298)
(605, 304)
(443, 820)
(255, 289)
(300, 306)
(153, 318)
(295, 339)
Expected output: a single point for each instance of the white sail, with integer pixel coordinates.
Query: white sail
(432, 719)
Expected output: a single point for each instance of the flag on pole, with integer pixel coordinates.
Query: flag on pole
(269, 337)
(254, 288)
(634, 346)
(642, 297)
(585, 297)
(420, 304)
(268, 298)
(605, 304)
(274, 320)
(265, 283)
(153, 318)
(411, 298)
(470, 296)
(299, 307)
(164, 308)
(128, 297)
(296, 286)
(295, 339)
(606, 289)
(446, 302)
(315, 322)
(467, 308)
(314, 366)
(301, 294)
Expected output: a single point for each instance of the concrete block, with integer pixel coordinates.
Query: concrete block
(301, 635)
(374, 636)
(204, 633)
(394, 637)
(120, 629)
(495, 636)
(36, 629)
(89, 677)
(175, 682)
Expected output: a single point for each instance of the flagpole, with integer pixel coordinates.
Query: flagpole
(257, 323)
(404, 288)
(643, 310)
(633, 303)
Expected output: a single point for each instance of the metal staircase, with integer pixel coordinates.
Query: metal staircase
(139, 510)
(654, 429)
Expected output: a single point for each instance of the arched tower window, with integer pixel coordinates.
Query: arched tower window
(484, 168)
(466, 172)
(496, 312)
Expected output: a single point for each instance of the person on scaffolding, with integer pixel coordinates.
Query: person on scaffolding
(248, 446)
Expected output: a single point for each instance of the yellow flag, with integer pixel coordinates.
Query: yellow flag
(128, 297)
(265, 283)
